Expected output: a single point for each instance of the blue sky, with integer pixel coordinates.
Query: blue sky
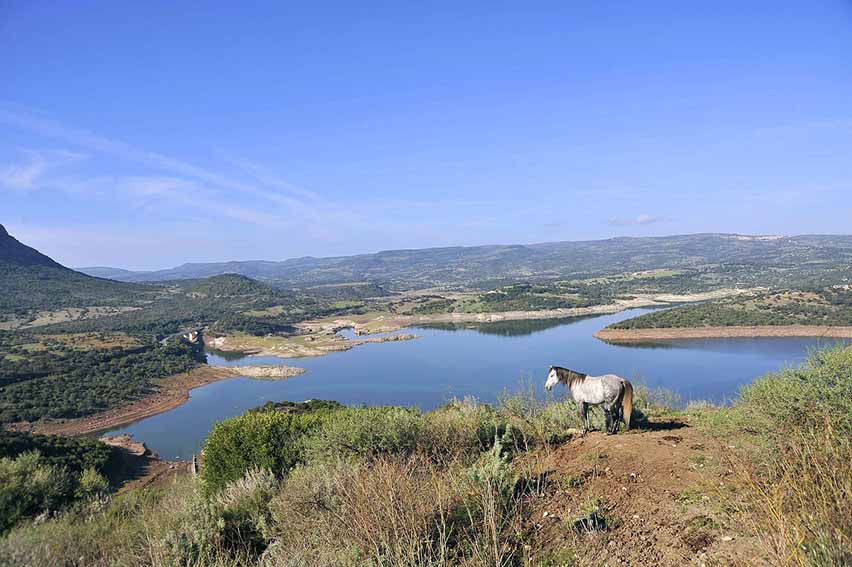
(147, 134)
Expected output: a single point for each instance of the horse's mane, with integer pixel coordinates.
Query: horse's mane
(572, 377)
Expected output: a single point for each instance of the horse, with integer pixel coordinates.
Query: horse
(613, 393)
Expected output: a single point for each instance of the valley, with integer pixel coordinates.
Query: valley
(173, 357)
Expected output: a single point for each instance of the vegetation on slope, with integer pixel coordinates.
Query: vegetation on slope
(825, 306)
(40, 474)
(792, 434)
(746, 261)
(393, 486)
(30, 280)
(49, 379)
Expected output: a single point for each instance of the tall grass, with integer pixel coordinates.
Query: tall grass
(387, 487)
(795, 470)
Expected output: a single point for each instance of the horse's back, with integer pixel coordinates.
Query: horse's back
(599, 389)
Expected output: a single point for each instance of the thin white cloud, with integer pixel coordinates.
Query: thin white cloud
(647, 219)
(94, 142)
(26, 174)
(642, 219)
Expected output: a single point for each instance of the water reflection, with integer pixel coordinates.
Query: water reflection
(482, 361)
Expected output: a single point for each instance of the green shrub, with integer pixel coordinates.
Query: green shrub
(532, 421)
(365, 432)
(461, 428)
(92, 484)
(265, 440)
(75, 454)
(29, 487)
(819, 388)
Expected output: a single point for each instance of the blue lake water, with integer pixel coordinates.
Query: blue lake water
(478, 360)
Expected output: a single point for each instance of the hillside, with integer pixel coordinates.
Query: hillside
(729, 259)
(763, 481)
(831, 306)
(31, 280)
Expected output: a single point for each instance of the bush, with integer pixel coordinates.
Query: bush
(92, 484)
(804, 396)
(795, 465)
(264, 440)
(29, 487)
(532, 421)
(460, 429)
(365, 432)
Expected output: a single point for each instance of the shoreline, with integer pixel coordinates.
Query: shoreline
(395, 323)
(764, 331)
(320, 336)
(173, 392)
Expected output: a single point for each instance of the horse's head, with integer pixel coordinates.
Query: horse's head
(552, 379)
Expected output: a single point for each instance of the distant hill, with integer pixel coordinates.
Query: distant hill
(227, 285)
(31, 280)
(108, 273)
(756, 260)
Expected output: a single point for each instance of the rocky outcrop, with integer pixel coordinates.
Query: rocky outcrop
(269, 372)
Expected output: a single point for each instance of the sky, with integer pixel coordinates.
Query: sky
(148, 134)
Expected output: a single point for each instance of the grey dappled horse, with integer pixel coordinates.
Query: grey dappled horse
(613, 393)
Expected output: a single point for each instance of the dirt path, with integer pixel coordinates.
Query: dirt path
(658, 491)
(632, 335)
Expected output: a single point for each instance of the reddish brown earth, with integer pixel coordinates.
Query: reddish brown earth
(627, 335)
(136, 467)
(659, 491)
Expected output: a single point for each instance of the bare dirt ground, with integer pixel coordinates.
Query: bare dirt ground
(137, 467)
(630, 335)
(319, 338)
(659, 492)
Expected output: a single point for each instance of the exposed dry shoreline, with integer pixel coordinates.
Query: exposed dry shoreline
(396, 322)
(634, 335)
(173, 392)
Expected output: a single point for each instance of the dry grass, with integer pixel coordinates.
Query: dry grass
(799, 502)
(395, 510)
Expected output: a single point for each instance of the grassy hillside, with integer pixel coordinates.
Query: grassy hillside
(765, 480)
(740, 260)
(826, 306)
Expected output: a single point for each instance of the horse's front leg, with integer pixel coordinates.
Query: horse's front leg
(607, 420)
(584, 417)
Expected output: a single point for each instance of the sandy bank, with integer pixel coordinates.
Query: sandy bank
(270, 372)
(316, 342)
(395, 322)
(634, 335)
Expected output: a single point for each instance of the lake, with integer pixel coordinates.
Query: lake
(481, 360)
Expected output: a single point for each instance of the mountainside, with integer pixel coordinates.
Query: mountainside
(768, 256)
(31, 280)
(13, 253)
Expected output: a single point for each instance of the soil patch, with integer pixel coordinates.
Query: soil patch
(631, 335)
(657, 494)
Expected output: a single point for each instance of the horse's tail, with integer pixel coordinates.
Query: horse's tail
(627, 403)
